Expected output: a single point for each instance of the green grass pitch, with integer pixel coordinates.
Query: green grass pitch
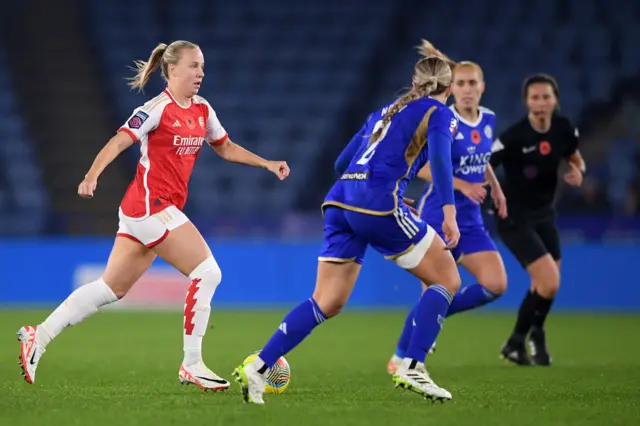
(121, 368)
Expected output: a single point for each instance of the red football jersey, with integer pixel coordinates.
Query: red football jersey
(170, 139)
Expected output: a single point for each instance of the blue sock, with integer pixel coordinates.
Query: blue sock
(405, 337)
(429, 317)
(470, 297)
(295, 327)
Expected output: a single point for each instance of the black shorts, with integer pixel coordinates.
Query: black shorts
(530, 236)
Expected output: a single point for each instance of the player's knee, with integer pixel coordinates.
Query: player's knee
(120, 289)
(449, 275)
(449, 278)
(208, 271)
(548, 289)
(120, 292)
(206, 277)
(497, 287)
(451, 281)
(495, 283)
(546, 281)
(332, 310)
(330, 304)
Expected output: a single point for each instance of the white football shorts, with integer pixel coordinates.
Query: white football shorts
(152, 230)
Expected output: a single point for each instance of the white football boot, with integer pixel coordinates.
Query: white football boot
(30, 352)
(199, 375)
(394, 363)
(253, 383)
(417, 379)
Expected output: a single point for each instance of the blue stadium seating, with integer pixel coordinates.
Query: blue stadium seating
(573, 40)
(23, 201)
(278, 89)
(281, 75)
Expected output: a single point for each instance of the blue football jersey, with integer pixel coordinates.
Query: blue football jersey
(378, 174)
(470, 154)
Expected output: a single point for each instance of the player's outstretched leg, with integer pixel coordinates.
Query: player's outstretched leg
(127, 262)
(431, 263)
(80, 304)
(186, 250)
(333, 288)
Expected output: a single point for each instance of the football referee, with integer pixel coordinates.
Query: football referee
(531, 152)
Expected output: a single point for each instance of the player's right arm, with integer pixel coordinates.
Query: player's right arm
(350, 151)
(142, 121)
(107, 154)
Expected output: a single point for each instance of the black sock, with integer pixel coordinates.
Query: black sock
(525, 317)
(541, 309)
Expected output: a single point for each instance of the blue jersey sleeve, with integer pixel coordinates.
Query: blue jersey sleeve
(349, 151)
(440, 138)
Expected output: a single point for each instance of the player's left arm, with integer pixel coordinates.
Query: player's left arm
(234, 153)
(219, 140)
(577, 165)
(576, 159)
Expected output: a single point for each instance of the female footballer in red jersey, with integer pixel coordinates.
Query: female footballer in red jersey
(171, 129)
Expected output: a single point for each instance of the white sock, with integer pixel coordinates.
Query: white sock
(259, 364)
(204, 281)
(80, 304)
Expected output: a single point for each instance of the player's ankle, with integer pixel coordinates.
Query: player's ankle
(43, 336)
(259, 366)
(410, 363)
(191, 357)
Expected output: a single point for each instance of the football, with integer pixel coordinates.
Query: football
(279, 377)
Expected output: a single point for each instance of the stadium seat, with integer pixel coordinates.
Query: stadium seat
(276, 88)
(281, 75)
(23, 200)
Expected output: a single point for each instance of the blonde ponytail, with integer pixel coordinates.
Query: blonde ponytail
(431, 75)
(161, 57)
(426, 49)
(144, 69)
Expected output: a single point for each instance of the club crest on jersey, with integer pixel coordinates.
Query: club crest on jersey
(190, 123)
(201, 121)
(488, 132)
(137, 120)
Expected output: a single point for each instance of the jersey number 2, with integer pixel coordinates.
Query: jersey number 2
(371, 150)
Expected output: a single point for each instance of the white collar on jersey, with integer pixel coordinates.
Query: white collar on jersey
(459, 117)
(173, 98)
